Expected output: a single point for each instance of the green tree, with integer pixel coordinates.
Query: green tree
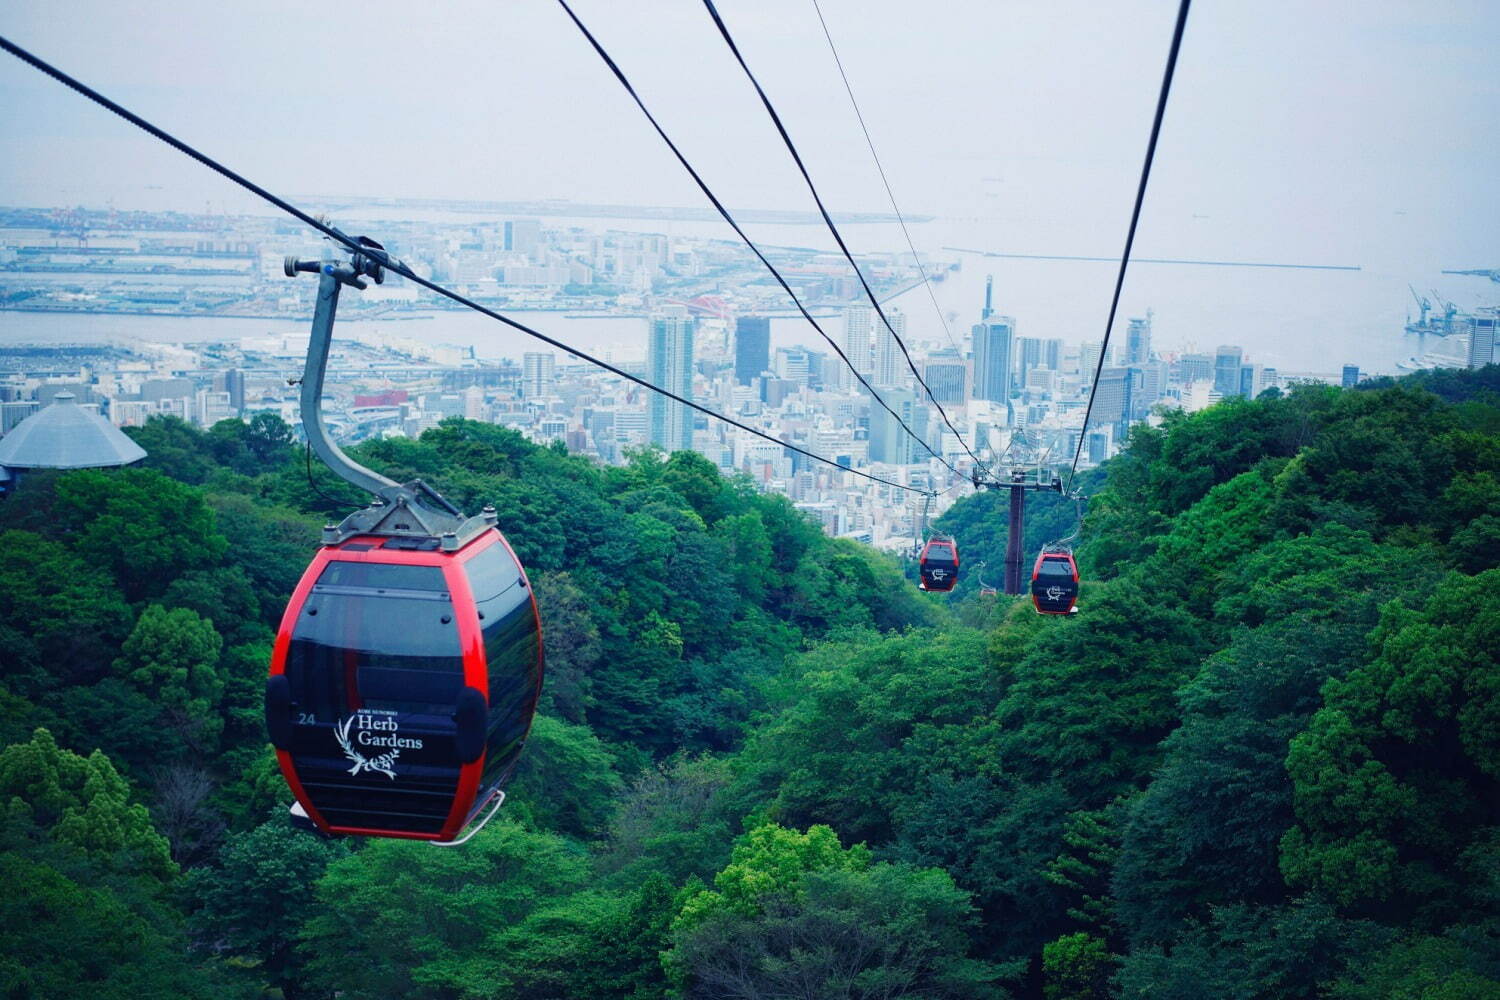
(770, 862)
(60, 617)
(83, 804)
(864, 932)
(1077, 967)
(1249, 953)
(72, 937)
(257, 896)
(1083, 870)
(1397, 777)
(173, 656)
(1421, 968)
(405, 919)
(673, 819)
(573, 644)
(145, 528)
(175, 448)
(566, 779)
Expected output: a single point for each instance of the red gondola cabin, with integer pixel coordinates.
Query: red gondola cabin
(938, 565)
(403, 683)
(1054, 583)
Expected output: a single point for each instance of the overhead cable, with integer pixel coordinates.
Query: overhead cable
(729, 218)
(1135, 217)
(828, 220)
(394, 265)
(926, 281)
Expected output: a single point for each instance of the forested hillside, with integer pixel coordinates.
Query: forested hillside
(1263, 761)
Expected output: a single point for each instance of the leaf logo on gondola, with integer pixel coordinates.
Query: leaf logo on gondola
(384, 764)
(1054, 593)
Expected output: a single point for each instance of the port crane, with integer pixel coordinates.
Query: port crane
(1449, 310)
(1423, 304)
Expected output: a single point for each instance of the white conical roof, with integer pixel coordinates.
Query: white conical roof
(67, 436)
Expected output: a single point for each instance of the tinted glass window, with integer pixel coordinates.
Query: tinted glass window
(1056, 567)
(375, 637)
(379, 576)
(508, 624)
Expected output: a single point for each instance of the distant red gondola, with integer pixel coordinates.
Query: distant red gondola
(938, 565)
(1054, 582)
(403, 683)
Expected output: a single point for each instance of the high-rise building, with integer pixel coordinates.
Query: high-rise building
(1150, 387)
(522, 236)
(1482, 338)
(537, 370)
(1195, 368)
(1114, 396)
(1138, 342)
(947, 376)
(1052, 351)
(1351, 376)
(752, 347)
(793, 364)
(473, 403)
(1227, 363)
(234, 384)
(858, 323)
(669, 364)
(889, 441)
(890, 362)
(1250, 383)
(1088, 360)
(1028, 356)
(994, 340)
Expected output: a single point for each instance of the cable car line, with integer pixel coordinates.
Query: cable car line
(828, 220)
(1135, 217)
(729, 218)
(884, 180)
(397, 266)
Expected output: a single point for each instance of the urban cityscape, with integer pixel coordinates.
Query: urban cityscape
(703, 308)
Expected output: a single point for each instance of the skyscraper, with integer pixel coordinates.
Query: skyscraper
(1088, 360)
(1052, 350)
(1249, 381)
(947, 376)
(234, 384)
(890, 362)
(1227, 362)
(669, 364)
(1351, 376)
(1114, 397)
(522, 235)
(1028, 356)
(1195, 368)
(1482, 338)
(1138, 341)
(889, 442)
(537, 369)
(858, 321)
(752, 347)
(993, 343)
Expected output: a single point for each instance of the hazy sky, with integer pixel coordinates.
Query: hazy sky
(1349, 132)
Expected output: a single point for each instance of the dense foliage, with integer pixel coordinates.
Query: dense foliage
(1264, 761)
